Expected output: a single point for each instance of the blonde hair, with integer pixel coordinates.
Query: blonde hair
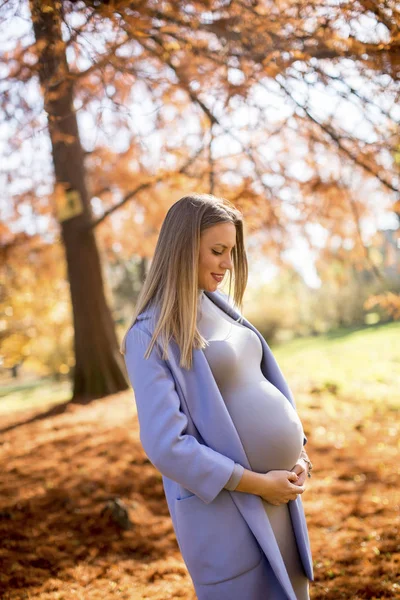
(172, 281)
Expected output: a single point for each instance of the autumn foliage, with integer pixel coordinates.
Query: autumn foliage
(112, 110)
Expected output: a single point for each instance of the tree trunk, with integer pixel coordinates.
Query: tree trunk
(99, 366)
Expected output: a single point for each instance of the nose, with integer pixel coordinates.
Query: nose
(227, 264)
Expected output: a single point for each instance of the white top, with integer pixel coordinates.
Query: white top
(268, 426)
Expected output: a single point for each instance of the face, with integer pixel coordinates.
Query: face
(216, 245)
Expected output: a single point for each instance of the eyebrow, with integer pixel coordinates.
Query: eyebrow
(223, 245)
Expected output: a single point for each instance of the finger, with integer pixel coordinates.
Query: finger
(298, 489)
(300, 481)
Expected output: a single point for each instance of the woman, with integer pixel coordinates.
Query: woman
(216, 415)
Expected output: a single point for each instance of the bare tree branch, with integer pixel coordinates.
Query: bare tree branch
(144, 186)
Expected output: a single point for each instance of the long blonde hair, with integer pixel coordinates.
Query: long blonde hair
(172, 281)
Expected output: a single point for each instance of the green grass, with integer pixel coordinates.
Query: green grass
(359, 368)
(357, 365)
(39, 394)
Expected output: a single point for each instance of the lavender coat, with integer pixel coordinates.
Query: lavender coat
(225, 538)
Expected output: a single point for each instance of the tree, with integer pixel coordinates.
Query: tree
(234, 86)
(98, 367)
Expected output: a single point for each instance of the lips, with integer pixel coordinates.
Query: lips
(218, 278)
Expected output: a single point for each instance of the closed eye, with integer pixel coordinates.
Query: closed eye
(215, 252)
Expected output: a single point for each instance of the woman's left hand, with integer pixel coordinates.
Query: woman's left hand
(301, 469)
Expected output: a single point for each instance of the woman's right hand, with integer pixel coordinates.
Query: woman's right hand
(277, 488)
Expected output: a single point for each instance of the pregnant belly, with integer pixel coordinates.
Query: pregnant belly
(268, 426)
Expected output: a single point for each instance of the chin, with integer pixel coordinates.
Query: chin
(209, 287)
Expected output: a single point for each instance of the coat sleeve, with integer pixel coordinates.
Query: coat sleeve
(235, 477)
(162, 424)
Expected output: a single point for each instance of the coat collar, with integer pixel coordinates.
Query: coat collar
(214, 424)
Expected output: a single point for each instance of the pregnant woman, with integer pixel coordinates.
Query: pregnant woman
(216, 415)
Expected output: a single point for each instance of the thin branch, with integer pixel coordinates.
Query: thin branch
(337, 140)
(353, 91)
(144, 186)
(183, 81)
(373, 267)
(211, 162)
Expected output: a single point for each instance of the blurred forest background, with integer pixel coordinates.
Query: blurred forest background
(110, 112)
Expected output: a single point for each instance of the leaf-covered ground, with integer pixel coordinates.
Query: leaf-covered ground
(59, 472)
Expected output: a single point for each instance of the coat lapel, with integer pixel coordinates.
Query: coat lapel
(213, 422)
